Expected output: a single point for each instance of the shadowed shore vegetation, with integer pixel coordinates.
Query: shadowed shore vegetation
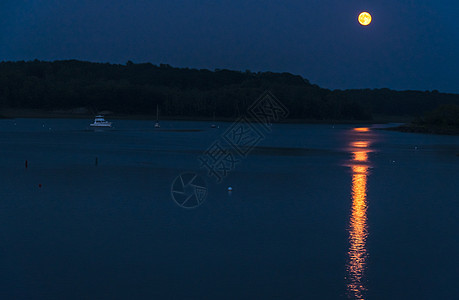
(78, 88)
(443, 120)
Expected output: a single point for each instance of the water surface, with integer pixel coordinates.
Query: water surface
(317, 211)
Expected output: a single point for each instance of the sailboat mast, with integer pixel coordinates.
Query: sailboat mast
(157, 113)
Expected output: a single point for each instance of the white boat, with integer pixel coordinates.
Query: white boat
(99, 122)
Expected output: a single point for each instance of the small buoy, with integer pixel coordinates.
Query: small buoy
(230, 189)
(39, 185)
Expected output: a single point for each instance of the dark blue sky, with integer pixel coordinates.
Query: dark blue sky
(410, 44)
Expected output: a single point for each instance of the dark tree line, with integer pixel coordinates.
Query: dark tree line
(444, 115)
(138, 88)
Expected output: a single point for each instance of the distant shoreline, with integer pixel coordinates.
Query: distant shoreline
(426, 129)
(407, 126)
(41, 114)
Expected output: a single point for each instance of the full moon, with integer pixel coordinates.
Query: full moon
(365, 19)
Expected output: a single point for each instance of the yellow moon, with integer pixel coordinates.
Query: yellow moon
(365, 19)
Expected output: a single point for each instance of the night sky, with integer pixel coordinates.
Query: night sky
(411, 44)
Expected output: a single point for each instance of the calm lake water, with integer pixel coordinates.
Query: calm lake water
(316, 212)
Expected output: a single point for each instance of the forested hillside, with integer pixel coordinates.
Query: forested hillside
(138, 88)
